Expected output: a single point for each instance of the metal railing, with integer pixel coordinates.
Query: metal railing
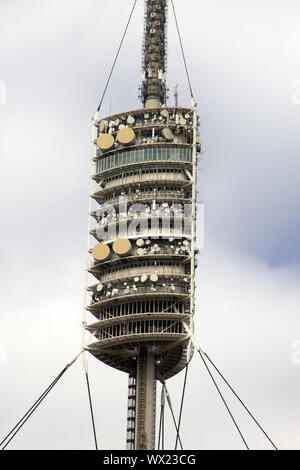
(138, 290)
(148, 270)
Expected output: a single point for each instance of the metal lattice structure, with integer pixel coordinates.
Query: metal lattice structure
(154, 64)
(143, 192)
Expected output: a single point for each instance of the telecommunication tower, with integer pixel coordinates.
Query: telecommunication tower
(143, 181)
(142, 219)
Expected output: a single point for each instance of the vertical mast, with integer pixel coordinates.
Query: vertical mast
(154, 53)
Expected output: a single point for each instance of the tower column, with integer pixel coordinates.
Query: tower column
(145, 401)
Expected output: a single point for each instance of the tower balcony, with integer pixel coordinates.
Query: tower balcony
(117, 295)
(128, 177)
(124, 273)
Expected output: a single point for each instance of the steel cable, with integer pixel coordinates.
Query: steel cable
(172, 413)
(31, 410)
(181, 405)
(242, 403)
(182, 50)
(223, 399)
(116, 57)
(91, 410)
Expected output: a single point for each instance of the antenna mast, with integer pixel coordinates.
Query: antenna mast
(154, 53)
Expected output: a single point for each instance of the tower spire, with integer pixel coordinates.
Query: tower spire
(154, 53)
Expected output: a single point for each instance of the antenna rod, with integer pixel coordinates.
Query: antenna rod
(154, 53)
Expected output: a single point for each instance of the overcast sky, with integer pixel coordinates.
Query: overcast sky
(244, 63)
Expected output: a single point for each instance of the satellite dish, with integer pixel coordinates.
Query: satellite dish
(164, 113)
(102, 126)
(105, 142)
(140, 242)
(101, 252)
(126, 136)
(144, 278)
(167, 133)
(99, 287)
(154, 278)
(136, 279)
(130, 120)
(140, 251)
(122, 246)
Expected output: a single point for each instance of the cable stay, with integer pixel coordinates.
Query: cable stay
(116, 57)
(8, 438)
(181, 405)
(242, 403)
(223, 399)
(164, 394)
(91, 410)
(203, 354)
(182, 51)
(31, 410)
(161, 433)
(172, 412)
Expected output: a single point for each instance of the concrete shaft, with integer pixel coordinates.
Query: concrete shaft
(145, 401)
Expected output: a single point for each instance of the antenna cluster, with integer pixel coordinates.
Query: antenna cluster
(154, 53)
